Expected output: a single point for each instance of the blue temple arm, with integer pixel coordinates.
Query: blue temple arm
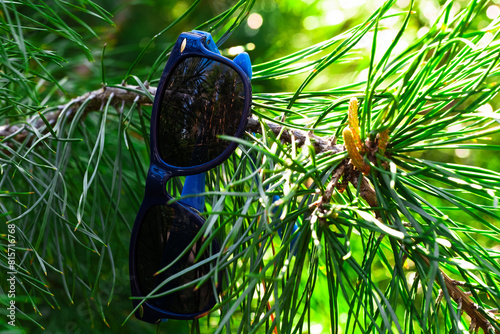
(195, 184)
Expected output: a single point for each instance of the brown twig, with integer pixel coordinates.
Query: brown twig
(95, 101)
(300, 137)
(319, 205)
(478, 320)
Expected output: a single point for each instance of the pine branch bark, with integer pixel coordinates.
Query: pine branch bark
(128, 94)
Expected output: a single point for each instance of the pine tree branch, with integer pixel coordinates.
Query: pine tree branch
(467, 305)
(353, 175)
(478, 320)
(95, 101)
(320, 144)
(127, 94)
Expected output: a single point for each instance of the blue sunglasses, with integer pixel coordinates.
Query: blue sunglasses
(201, 95)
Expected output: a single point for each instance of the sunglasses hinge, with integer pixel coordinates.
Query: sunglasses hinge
(156, 181)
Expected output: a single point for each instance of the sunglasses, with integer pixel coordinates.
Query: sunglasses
(201, 95)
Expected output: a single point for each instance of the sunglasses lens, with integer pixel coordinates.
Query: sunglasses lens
(165, 233)
(201, 99)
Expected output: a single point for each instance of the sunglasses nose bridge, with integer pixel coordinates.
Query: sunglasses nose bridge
(156, 181)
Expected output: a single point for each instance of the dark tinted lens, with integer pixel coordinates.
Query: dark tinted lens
(165, 232)
(201, 99)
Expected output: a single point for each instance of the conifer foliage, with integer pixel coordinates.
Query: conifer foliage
(343, 206)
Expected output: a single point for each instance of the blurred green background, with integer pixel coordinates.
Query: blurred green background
(272, 30)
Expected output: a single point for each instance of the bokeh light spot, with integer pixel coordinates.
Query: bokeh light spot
(310, 23)
(236, 50)
(462, 152)
(492, 12)
(316, 329)
(255, 21)
(422, 31)
(485, 108)
(334, 17)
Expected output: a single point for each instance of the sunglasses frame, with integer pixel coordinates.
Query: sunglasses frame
(189, 44)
